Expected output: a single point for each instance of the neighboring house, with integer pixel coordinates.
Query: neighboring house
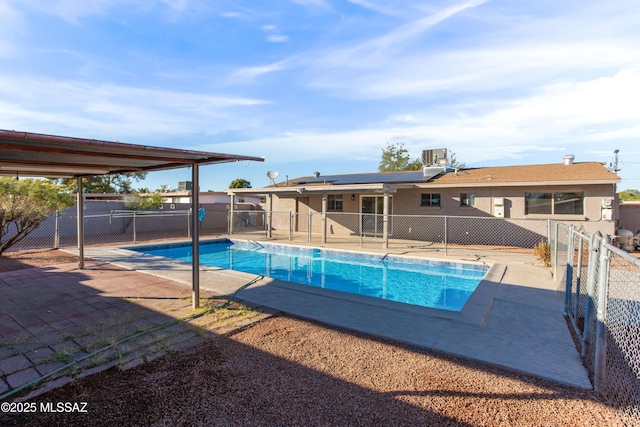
(574, 193)
(630, 216)
(178, 197)
(209, 197)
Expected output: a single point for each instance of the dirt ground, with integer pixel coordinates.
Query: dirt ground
(18, 260)
(288, 371)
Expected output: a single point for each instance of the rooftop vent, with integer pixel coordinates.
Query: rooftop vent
(568, 159)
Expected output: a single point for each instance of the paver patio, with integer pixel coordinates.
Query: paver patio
(53, 316)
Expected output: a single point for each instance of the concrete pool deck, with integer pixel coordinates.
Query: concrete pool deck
(514, 320)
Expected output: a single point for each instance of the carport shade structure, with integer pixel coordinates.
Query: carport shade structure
(24, 154)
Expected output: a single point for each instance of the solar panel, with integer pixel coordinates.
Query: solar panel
(373, 178)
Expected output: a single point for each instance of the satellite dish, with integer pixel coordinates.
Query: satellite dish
(316, 174)
(272, 176)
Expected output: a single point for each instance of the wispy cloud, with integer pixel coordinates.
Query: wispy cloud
(273, 34)
(313, 4)
(378, 51)
(374, 54)
(72, 10)
(12, 24)
(108, 106)
(391, 9)
(554, 119)
(250, 73)
(277, 38)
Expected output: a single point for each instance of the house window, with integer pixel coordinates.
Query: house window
(554, 203)
(467, 199)
(430, 200)
(538, 203)
(334, 202)
(568, 203)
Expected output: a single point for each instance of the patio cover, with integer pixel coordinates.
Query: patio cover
(36, 155)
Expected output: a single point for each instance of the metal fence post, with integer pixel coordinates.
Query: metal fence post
(600, 372)
(134, 226)
(591, 284)
(555, 251)
(569, 276)
(361, 228)
(189, 224)
(56, 233)
(445, 235)
(578, 274)
(290, 226)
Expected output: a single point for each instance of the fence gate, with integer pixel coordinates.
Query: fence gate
(581, 278)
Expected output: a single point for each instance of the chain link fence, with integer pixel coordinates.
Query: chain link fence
(120, 226)
(440, 232)
(602, 302)
(621, 377)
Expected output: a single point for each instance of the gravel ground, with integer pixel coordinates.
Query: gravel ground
(288, 371)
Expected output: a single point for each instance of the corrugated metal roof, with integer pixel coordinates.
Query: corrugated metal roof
(31, 154)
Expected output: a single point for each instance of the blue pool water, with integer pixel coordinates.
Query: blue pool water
(435, 284)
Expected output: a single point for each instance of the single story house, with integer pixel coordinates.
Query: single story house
(578, 193)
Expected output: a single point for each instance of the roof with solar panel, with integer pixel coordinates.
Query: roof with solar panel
(369, 178)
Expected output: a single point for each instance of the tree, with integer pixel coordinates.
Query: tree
(24, 204)
(629, 195)
(396, 158)
(453, 162)
(107, 184)
(240, 183)
(140, 203)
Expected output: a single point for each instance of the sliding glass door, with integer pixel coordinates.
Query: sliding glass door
(372, 220)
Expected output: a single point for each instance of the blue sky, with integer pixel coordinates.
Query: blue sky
(324, 85)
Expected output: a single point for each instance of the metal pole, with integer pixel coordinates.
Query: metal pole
(569, 276)
(134, 227)
(195, 237)
(445, 235)
(80, 218)
(385, 220)
(578, 274)
(290, 226)
(233, 199)
(270, 214)
(600, 373)
(324, 217)
(591, 284)
(361, 218)
(555, 254)
(56, 234)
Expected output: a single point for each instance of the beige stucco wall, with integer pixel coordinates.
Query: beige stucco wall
(407, 202)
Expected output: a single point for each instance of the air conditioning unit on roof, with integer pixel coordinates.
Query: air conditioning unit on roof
(436, 157)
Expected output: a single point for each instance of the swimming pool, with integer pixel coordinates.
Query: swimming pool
(435, 284)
